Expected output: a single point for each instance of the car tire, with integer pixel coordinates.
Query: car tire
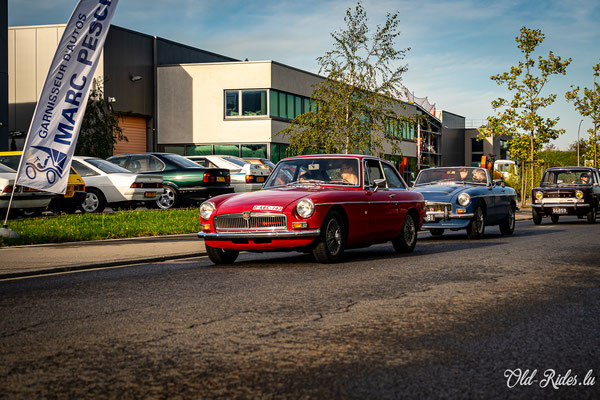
(331, 243)
(536, 216)
(94, 201)
(507, 225)
(591, 215)
(221, 256)
(554, 218)
(436, 232)
(476, 227)
(169, 199)
(407, 240)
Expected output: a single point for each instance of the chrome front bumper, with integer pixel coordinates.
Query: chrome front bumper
(259, 235)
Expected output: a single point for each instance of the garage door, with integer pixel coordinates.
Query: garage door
(134, 129)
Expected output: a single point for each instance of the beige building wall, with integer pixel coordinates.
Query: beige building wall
(30, 53)
(191, 102)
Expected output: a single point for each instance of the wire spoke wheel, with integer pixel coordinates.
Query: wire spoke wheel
(330, 246)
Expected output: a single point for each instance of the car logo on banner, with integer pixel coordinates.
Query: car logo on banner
(48, 161)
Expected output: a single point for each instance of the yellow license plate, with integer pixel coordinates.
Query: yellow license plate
(150, 194)
(260, 179)
(220, 179)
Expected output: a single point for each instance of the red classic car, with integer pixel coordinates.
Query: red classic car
(321, 204)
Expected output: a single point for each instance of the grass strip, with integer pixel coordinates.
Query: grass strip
(80, 227)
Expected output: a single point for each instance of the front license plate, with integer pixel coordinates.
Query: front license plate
(220, 179)
(260, 179)
(557, 210)
(150, 194)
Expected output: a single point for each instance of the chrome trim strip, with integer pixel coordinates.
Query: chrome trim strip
(259, 235)
(371, 202)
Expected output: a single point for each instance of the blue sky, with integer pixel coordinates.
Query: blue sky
(456, 45)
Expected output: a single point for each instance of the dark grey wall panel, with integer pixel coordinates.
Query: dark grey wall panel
(129, 54)
(169, 52)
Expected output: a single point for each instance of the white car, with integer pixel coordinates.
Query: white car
(26, 200)
(108, 184)
(245, 177)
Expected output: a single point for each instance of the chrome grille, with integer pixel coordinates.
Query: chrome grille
(559, 195)
(250, 221)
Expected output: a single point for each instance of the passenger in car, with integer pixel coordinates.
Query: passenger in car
(348, 172)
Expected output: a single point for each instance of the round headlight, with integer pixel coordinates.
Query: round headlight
(579, 194)
(206, 209)
(539, 195)
(305, 208)
(464, 199)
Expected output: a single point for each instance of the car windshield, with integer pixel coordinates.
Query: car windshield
(106, 166)
(567, 177)
(181, 161)
(465, 175)
(315, 171)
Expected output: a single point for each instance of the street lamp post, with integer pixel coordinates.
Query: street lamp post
(578, 142)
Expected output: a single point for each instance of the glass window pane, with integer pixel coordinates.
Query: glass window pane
(393, 180)
(232, 103)
(227, 149)
(83, 170)
(254, 102)
(254, 150)
(306, 105)
(174, 149)
(476, 145)
(274, 103)
(199, 150)
(282, 105)
(290, 106)
(298, 110)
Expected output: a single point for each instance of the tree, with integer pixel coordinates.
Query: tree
(519, 117)
(100, 128)
(352, 108)
(589, 106)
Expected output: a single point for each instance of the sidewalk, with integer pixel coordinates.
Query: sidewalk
(21, 261)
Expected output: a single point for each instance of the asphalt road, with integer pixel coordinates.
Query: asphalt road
(455, 319)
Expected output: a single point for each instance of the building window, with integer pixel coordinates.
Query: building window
(232, 103)
(254, 150)
(227, 150)
(174, 149)
(278, 151)
(198, 150)
(254, 102)
(274, 103)
(476, 151)
(503, 149)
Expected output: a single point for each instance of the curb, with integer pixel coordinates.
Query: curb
(99, 265)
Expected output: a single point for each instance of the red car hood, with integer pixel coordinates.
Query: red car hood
(271, 200)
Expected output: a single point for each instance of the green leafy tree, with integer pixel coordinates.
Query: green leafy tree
(588, 105)
(100, 128)
(352, 107)
(520, 116)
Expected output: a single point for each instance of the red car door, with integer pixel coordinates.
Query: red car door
(383, 212)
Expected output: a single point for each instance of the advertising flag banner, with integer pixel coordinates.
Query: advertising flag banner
(53, 132)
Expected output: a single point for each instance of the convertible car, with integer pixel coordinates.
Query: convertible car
(465, 198)
(321, 204)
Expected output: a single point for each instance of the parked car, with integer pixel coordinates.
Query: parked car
(108, 184)
(321, 204)
(566, 191)
(245, 177)
(74, 194)
(261, 161)
(465, 198)
(183, 179)
(26, 200)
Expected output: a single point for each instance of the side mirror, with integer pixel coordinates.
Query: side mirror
(379, 183)
(499, 182)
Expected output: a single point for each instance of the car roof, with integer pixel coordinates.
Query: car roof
(570, 168)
